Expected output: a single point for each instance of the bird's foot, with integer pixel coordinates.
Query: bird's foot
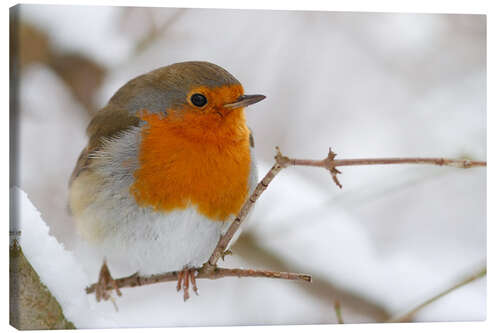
(186, 276)
(105, 280)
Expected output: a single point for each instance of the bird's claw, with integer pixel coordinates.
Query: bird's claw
(186, 276)
(105, 279)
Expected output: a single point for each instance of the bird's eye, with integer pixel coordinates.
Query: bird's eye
(199, 100)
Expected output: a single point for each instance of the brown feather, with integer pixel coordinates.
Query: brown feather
(107, 123)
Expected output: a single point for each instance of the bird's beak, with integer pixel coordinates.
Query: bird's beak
(245, 100)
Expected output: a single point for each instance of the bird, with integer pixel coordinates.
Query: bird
(169, 163)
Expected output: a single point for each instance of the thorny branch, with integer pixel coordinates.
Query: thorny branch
(210, 270)
(329, 163)
(135, 280)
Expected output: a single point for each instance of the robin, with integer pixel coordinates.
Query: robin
(168, 165)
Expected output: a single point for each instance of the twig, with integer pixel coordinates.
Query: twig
(407, 316)
(261, 187)
(323, 290)
(338, 313)
(135, 280)
(329, 163)
(210, 269)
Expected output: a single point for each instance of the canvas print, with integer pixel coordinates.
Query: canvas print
(215, 167)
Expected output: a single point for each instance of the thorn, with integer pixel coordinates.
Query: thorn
(334, 173)
(226, 253)
(330, 165)
(278, 156)
(283, 161)
(331, 154)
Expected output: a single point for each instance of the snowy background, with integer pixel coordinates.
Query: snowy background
(369, 85)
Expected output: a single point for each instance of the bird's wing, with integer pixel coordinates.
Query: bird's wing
(106, 124)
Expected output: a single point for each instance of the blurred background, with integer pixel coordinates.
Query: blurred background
(367, 84)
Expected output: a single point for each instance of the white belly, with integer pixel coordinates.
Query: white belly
(158, 243)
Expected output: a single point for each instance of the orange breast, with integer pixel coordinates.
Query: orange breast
(194, 159)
